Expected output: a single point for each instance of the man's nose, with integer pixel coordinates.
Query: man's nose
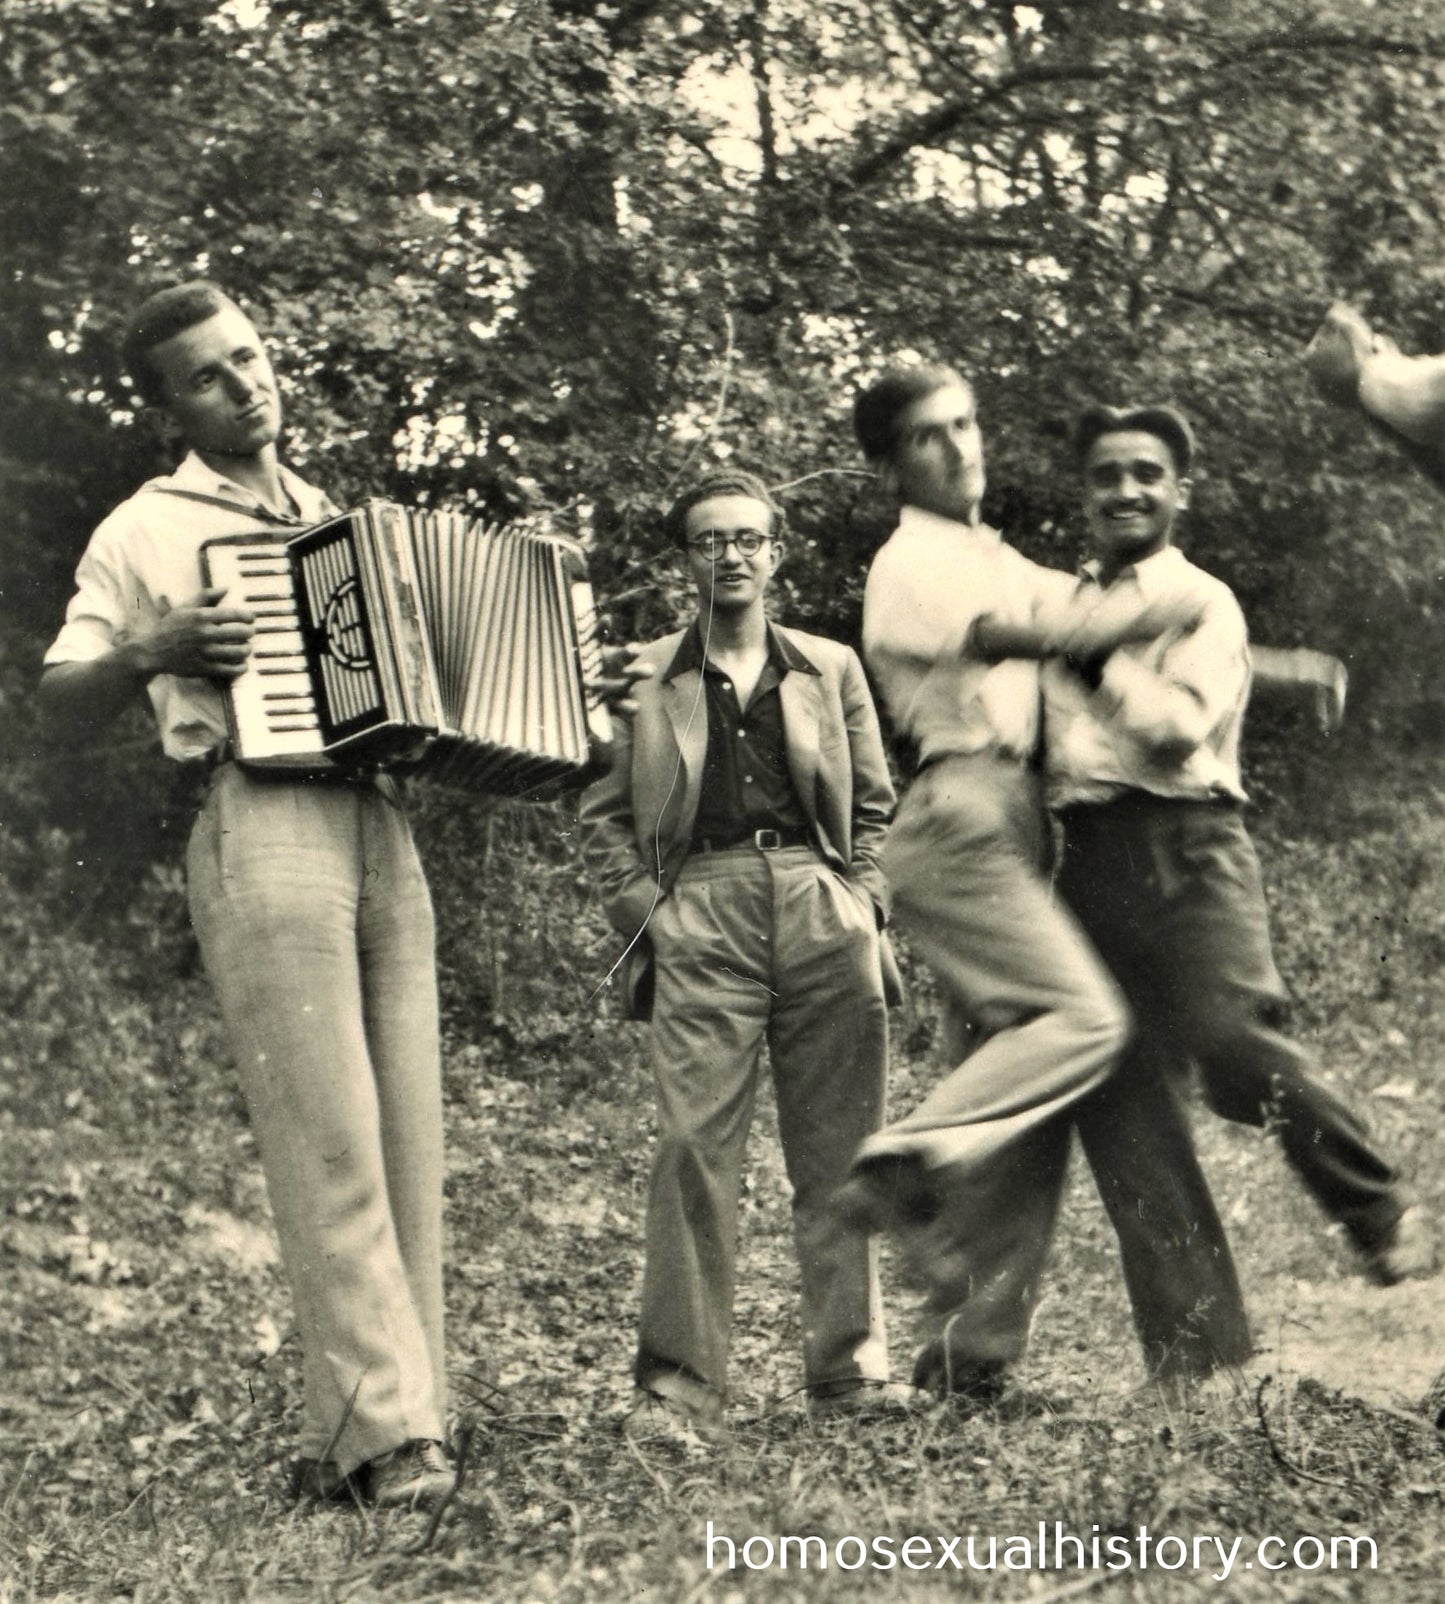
(240, 386)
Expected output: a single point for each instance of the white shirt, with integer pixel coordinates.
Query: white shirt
(1168, 713)
(144, 559)
(927, 587)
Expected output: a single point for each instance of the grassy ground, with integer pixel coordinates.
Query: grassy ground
(149, 1390)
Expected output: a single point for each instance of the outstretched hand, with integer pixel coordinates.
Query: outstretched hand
(620, 672)
(200, 639)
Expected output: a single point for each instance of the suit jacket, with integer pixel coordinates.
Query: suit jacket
(637, 821)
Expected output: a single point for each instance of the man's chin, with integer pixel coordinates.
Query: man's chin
(961, 509)
(1120, 552)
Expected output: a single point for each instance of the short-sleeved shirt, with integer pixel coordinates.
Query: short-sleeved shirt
(1167, 715)
(928, 586)
(145, 559)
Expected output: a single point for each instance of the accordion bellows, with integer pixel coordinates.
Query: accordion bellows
(395, 635)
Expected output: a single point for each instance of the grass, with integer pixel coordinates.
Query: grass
(149, 1396)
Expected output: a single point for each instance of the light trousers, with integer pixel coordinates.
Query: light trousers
(315, 926)
(755, 949)
(962, 860)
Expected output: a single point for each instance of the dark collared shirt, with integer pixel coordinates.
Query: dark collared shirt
(746, 783)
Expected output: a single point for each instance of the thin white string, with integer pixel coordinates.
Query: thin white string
(671, 792)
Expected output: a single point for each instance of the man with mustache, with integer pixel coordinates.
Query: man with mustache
(1143, 771)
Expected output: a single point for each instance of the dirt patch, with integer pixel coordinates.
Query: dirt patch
(1385, 1345)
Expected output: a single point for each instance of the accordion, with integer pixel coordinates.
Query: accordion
(389, 635)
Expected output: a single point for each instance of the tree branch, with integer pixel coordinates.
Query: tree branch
(1310, 42)
(933, 125)
(762, 93)
(961, 109)
(729, 355)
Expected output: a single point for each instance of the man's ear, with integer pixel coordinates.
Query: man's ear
(887, 477)
(1186, 489)
(776, 546)
(162, 425)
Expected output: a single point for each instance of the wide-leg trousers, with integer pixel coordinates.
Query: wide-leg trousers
(1056, 1054)
(760, 948)
(1170, 893)
(315, 926)
(963, 864)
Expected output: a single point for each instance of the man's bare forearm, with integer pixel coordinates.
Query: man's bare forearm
(84, 699)
(200, 639)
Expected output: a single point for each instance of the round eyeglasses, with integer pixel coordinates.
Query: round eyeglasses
(712, 543)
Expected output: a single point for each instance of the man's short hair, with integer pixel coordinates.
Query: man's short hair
(721, 482)
(878, 408)
(1163, 422)
(159, 318)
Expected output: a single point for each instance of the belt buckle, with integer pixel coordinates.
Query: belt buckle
(768, 840)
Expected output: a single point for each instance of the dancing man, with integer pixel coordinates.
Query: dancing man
(967, 1181)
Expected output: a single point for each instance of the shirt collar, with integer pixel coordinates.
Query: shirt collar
(195, 475)
(915, 520)
(782, 654)
(1153, 575)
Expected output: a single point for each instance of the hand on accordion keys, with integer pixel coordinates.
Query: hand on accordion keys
(620, 672)
(200, 639)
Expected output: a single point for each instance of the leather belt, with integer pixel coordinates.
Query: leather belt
(992, 754)
(754, 840)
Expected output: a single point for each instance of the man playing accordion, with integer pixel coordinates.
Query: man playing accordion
(309, 903)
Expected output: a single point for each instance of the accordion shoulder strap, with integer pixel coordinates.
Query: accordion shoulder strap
(266, 514)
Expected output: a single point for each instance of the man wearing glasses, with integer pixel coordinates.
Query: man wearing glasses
(736, 843)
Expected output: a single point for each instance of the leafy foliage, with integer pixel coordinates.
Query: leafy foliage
(534, 252)
(525, 254)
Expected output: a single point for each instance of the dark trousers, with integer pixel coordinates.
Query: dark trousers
(962, 860)
(986, 1275)
(1170, 894)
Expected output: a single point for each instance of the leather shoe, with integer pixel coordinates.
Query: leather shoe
(1407, 1252)
(867, 1400)
(974, 1382)
(414, 1476)
(655, 1417)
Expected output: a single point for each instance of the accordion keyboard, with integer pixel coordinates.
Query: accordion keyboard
(273, 701)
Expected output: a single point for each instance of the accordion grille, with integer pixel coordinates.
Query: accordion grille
(346, 658)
